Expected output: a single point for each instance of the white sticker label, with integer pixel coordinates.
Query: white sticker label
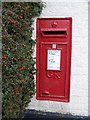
(54, 57)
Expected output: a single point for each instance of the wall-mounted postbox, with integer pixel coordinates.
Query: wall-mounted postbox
(53, 58)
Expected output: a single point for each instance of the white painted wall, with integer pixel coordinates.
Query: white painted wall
(79, 68)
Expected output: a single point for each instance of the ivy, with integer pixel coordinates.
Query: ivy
(18, 69)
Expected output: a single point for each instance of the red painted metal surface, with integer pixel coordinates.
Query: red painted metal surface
(53, 35)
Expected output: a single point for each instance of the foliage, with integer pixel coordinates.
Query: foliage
(17, 62)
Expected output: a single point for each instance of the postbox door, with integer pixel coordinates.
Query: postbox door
(52, 75)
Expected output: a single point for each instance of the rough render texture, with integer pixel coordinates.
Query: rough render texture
(79, 68)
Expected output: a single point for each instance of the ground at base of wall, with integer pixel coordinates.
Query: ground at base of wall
(28, 114)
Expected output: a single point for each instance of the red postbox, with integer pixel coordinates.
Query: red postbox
(53, 58)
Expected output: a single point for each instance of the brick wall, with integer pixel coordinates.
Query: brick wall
(79, 68)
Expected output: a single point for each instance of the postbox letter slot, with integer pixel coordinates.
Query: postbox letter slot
(60, 33)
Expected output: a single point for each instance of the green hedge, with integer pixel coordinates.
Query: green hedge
(17, 62)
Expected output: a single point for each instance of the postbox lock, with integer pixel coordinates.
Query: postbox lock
(54, 24)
